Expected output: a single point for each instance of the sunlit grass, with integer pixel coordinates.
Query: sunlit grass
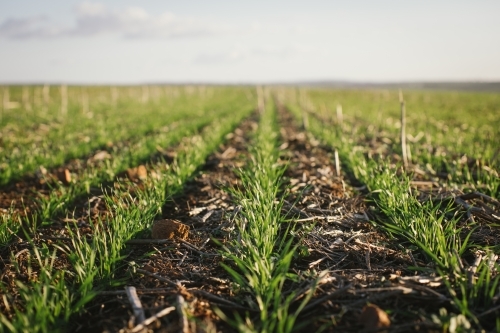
(94, 262)
(263, 253)
(367, 142)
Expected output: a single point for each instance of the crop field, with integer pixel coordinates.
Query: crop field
(248, 209)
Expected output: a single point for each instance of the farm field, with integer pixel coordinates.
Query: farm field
(248, 209)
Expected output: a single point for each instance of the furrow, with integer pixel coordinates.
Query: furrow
(433, 230)
(90, 262)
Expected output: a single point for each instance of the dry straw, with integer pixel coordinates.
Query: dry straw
(403, 129)
(64, 100)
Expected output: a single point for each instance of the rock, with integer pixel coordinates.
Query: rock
(229, 153)
(64, 176)
(149, 268)
(100, 156)
(373, 317)
(169, 229)
(142, 172)
(137, 173)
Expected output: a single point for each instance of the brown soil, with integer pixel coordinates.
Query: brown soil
(364, 265)
(20, 196)
(191, 267)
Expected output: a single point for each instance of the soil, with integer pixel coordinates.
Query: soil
(364, 266)
(192, 266)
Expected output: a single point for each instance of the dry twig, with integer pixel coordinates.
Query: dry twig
(135, 302)
(181, 310)
(150, 320)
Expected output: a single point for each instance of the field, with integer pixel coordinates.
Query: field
(249, 209)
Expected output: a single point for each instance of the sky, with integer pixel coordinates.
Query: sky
(222, 41)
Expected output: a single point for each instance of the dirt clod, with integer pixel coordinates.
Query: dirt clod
(373, 317)
(169, 229)
(137, 173)
(64, 176)
(100, 156)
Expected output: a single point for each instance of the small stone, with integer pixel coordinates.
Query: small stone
(169, 229)
(137, 173)
(131, 173)
(373, 317)
(64, 176)
(100, 156)
(142, 172)
(229, 153)
(338, 241)
(149, 268)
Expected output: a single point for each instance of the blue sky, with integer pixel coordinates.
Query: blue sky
(248, 41)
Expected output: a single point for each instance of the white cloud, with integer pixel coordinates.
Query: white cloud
(232, 56)
(256, 53)
(282, 52)
(91, 8)
(36, 26)
(96, 19)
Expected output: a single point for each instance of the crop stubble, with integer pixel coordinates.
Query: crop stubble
(364, 265)
(323, 203)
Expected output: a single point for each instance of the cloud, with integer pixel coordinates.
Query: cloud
(232, 56)
(36, 26)
(94, 19)
(282, 52)
(262, 52)
(135, 22)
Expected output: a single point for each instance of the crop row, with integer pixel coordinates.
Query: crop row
(88, 174)
(29, 142)
(431, 221)
(263, 252)
(62, 278)
(433, 190)
(448, 136)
